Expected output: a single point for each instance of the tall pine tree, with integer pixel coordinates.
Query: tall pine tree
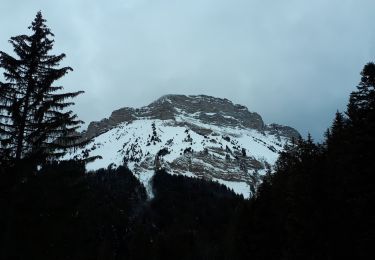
(361, 107)
(361, 112)
(34, 121)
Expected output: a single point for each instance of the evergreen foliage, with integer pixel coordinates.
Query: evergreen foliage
(361, 107)
(64, 213)
(34, 120)
(188, 219)
(317, 204)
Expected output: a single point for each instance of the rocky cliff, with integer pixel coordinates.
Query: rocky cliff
(198, 136)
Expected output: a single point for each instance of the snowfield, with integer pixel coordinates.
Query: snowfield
(140, 143)
(196, 136)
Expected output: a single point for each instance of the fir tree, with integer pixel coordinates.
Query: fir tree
(34, 121)
(337, 133)
(338, 124)
(361, 107)
(361, 111)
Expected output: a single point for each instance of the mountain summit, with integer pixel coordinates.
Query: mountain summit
(197, 136)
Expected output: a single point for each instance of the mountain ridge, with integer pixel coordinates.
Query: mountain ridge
(197, 136)
(162, 110)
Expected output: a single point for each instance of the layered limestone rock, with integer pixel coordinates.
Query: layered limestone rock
(198, 136)
(211, 110)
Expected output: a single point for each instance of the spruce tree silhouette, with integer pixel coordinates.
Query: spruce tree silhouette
(34, 121)
(361, 105)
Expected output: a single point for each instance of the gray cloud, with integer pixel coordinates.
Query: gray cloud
(294, 62)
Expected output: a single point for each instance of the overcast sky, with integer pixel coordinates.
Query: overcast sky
(294, 62)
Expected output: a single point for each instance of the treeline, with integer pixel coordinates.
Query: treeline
(187, 219)
(62, 212)
(318, 204)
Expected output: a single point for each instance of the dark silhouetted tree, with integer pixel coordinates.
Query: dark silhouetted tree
(34, 121)
(361, 110)
(361, 105)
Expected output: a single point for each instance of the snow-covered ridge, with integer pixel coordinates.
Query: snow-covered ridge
(214, 111)
(197, 136)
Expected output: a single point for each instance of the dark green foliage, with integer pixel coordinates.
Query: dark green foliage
(187, 219)
(361, 107)
(34, 120)
(38, 216)
(318, 203)
(284, 214)
(63, 213)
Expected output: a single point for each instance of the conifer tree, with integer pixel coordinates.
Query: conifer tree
(361, 110)
(338, 123)
(34, 120)
(361, 105)
(337, 133)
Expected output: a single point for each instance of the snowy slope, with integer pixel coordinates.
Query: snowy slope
(191, 145)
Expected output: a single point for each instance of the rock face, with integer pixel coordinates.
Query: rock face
(198, 136)
(216, 111)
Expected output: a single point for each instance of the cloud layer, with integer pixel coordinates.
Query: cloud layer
(294, 62)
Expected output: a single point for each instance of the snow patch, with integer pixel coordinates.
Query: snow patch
(241, 188)
(138, 143)
(145, 178)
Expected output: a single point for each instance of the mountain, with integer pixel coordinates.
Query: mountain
(197, 136)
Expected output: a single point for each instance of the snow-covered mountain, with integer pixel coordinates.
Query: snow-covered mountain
(197, 136)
